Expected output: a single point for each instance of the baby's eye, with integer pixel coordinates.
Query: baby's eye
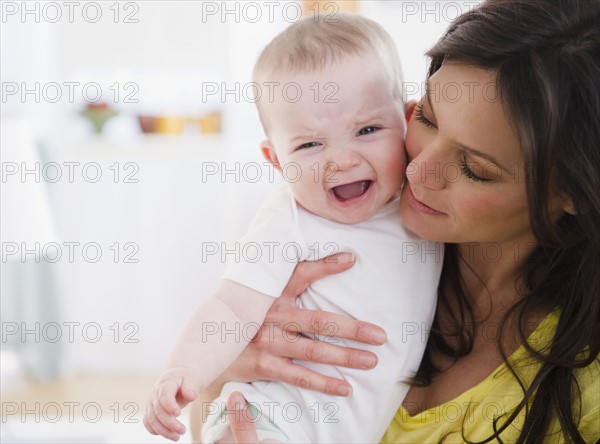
(367, 130)
(308, 145)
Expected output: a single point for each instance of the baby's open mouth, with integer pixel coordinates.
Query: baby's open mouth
(351, 190)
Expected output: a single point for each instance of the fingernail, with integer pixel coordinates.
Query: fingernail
(368, 361)
(239, 402)
(344, 390)
(378, 337)
(346, 258)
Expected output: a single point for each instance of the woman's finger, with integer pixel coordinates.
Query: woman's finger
(240, 420)
(280, 369)
(310, 271)
(307, 349)
(326, 324)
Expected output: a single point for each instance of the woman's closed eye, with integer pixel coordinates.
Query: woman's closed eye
(464, 166)
(368, 130)
(469, 174)
(421, 117)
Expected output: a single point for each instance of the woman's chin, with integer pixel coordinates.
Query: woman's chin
(420, 226)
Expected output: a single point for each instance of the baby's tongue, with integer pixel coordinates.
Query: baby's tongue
(351, 190)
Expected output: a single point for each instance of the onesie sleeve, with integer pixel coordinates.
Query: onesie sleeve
(265, 258)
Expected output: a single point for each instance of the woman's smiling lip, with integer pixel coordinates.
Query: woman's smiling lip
(418, 205)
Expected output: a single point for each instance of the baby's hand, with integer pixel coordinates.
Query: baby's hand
(175, 389)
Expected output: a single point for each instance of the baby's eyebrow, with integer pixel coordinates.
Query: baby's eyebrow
(304, 137)
(372, 114)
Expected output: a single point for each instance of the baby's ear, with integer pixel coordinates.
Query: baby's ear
(269, 154)
(409, 108)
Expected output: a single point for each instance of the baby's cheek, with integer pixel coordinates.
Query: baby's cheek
(395, 167)
(403, 161)
(411, 143)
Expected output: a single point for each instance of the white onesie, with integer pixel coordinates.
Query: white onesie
(392, 284)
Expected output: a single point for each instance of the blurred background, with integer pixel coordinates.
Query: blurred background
(129, 151)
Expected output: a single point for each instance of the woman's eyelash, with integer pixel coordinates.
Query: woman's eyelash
(464, 167)
(469, 173)
(421, 117)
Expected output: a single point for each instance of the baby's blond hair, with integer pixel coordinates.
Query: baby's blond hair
(316, 41)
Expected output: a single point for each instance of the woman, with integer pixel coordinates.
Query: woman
(505, 168)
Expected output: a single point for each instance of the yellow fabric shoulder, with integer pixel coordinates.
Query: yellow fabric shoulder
(473, 412)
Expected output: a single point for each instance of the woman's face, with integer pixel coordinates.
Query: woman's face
(465, 179)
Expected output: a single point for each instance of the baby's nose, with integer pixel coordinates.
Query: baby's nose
(345, 158)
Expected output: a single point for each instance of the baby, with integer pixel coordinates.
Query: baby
(339, 121)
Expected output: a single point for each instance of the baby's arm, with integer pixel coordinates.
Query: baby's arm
(211, 340)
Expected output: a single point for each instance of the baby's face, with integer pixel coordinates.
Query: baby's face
(341, 143)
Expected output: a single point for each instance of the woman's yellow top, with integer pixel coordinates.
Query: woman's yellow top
(474, 411)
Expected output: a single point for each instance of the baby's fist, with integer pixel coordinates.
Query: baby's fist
(175, 389)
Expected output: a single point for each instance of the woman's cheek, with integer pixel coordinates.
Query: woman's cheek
(471, 206)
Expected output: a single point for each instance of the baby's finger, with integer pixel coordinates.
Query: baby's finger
(156, 427)
(147, 417)
(168, 420)
(242, 426)
(187, 392)
(167, 396)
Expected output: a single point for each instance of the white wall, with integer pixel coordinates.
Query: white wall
(172, 49)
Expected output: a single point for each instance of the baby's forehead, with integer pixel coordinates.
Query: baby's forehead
(285, 120)
(351, 80)
(361, 62)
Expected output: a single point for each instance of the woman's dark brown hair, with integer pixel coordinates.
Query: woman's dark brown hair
(547, 57)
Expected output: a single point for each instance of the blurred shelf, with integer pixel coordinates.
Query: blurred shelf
(149, 144)
(106, 390)
(172, 149)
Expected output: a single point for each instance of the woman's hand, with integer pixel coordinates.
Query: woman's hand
(242, 427)
(269, 356)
